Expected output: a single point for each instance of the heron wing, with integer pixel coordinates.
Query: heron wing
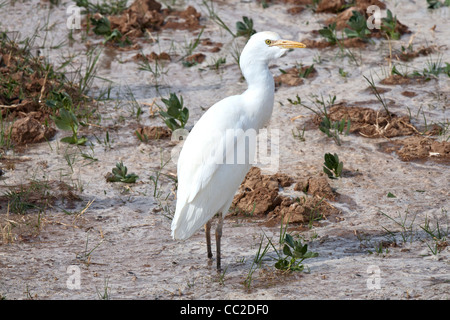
(204, 180)
(204, 150)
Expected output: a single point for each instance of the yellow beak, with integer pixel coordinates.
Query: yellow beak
(287, 44)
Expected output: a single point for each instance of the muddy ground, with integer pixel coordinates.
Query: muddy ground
(380, 230)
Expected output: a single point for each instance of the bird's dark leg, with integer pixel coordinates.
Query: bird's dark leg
(218, 236)
(208, 238)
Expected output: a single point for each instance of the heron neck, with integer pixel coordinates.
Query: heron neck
(260, 93)
(258, 77)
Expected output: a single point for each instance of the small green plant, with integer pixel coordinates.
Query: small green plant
(331, 129)
(190, 47)
(34, 195)
(175, 116)
(119, 174)
(257, 261)
(102, 26)
(67, 121)
(437, 233)
(156, 68)
(110, 7)
(435, 4)
(294, 254)
(388, 25)
(299, 135)
(217, 63)
(358, 26)
(58, 100)
(377, 95)
(329, 33)
(332, 166)
(342, 73)
(407, 231)
(245, 28)
(304, 72)
(298, 100)
(391, 195)
(215, 18)
(433, 68)
(105, 295)
(335, 128)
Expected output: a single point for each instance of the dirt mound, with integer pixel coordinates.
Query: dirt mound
(336, 6)
(331, 6)
(295, 76)
(153, 56)
(145, 16)
(259, 197)
(420, 148)
(153, 133)
(23, 82)
(196, 58)
(28, 86)
(317, 186)
(348, 43)
(301, 211)
(259, 193)
(396, 79)
(408, 55)
(370, 123)
(29, 130)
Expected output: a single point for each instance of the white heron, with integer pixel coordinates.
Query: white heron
(207, 180)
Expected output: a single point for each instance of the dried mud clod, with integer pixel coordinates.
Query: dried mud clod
(336, 6)
(396, 79)
(295, 76)
(146, 16)
(259, 197)
(316, 186)
(23, 83)
(196, 58)
(27, 85)
(348, 43)
(408, 55)
(370, 123)
(420, 148)
(29, 130)
(153, 133)
(153, 56)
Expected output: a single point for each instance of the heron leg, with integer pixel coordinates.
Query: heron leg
(208, 238)
(218, 236)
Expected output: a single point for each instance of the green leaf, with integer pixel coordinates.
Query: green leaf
(81, 141)
(70, 140)
(287, 251)
(289, 240)
(328, 172)
(390, 195)
(102, 26)
(339, 169)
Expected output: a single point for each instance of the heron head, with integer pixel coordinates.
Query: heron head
(268, 45)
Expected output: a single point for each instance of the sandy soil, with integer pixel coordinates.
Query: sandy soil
(117, 236)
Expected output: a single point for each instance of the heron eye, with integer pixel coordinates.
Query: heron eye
(268, 42)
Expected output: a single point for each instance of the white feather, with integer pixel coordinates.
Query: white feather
(207, 182)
